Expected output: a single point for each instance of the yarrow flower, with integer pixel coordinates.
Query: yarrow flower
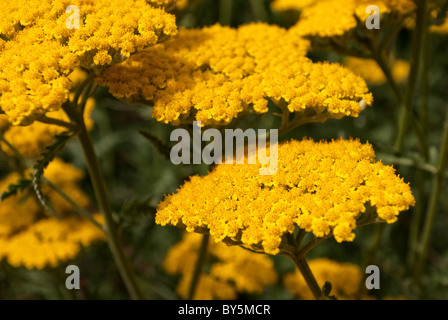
(331, 18)
(38, 51)
(50, 242)
(233, 270)
(372, 73)
(322, 188)
(32, 140)
(216, 73)
(29, 238)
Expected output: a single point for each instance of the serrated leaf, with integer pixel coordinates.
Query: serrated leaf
(13, 189)
(46, 157)
(161, 146)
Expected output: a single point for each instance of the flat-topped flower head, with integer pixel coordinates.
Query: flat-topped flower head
(32, 140)
(322, 188)
(10, 219)
(38, 51)
(372, 73)
(232, 270)
(331, 18)
(32, 239)
(50, 242)
(63, 175)
(213, 74)
(34, 73)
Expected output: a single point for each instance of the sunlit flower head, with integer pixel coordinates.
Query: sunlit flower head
(214, 74)
(233, 270)
(322, 188)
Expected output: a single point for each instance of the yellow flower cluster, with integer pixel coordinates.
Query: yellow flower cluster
(372, 73)
(233, 270)
(321, 187)
(215, 73)
(40, 51)
(344, 278)
(49, 242)
(330, 18)
(32, 140)
(68, 179)
(29, 238)
(18, 211)
(33, 79)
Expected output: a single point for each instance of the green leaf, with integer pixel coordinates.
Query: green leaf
(13, 189)
(46, 157)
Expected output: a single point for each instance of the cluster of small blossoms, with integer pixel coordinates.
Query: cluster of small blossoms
(233, 270)
(38, 51)
(322, 188)
(372, 73)
(216, 73)
(32, 140)
(29, 237)
(331, 18)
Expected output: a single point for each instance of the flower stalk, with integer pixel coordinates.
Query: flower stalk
(422, 250)
(199, 266)
(416, 55)
(113, 237)
(305, 270)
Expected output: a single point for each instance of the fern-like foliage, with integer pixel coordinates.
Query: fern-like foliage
(21, 185)
(46, 157)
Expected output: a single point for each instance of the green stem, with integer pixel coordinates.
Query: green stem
(414, 232)
(225, 12)
(296, 123)
(106, 209)
(202, 255)
(22, 160)
(75, 206)
(416, 54)
(432, 207)
(385, 67)
(370, 255)
(57, 122)
(305, 270)
(425, 84)
(259, 10)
